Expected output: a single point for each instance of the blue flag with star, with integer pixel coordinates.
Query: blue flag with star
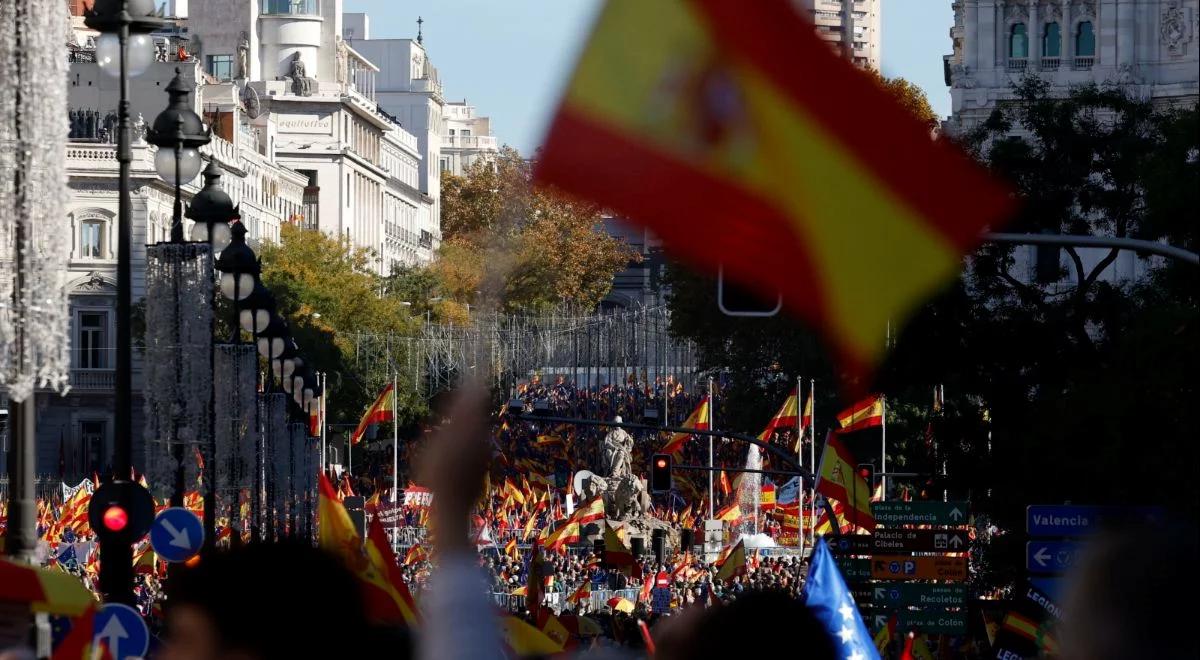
(830, 601)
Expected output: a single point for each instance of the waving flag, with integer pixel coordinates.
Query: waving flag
(830, 601)
(862, 415)
(732, 562)
(838, 479)
(787, 417)
(821, 186)
(697, 420)
(383, 410)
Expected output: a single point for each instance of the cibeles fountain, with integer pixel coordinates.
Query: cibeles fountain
(626, 500)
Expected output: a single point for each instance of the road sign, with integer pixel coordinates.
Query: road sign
(122, 630)
(1051, 556)
(176, 535)
(920, 595)
(906, 567)
(1065, 520)
(900, 540)
(854, 569)
(921, 513)
(660, 600)
(934, 623)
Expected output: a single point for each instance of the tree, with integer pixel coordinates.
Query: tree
(911, 96)
(327, 292)
(508, 244)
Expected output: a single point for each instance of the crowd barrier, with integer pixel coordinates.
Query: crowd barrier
(556, 601)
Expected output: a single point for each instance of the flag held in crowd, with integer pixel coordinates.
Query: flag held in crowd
(838, 479)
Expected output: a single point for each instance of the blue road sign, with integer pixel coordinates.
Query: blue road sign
(176, 534)
(1066, 520)
(1051, 556)
(1054, 587)
(122, 630)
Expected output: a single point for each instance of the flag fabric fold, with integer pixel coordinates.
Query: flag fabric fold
(864, 414)
(382, 410)
(698, 420)
(829, 599)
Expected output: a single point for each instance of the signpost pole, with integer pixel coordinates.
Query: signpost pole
(711, 425)
(883, 451)
(812, 465)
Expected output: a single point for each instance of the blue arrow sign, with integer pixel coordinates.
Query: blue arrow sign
(122, 630)
(1051, 556)
(176, 534)
(1066, 520)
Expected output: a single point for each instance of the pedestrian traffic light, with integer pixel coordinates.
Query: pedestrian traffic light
(660, 473)
(121, 512)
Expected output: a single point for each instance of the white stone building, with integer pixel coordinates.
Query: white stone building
(311, 97)
(1148, 46)
(863, 20)
(466, 138)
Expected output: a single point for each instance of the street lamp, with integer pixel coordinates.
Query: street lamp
(121, 19)
(256, 309)
(212, 210)
(238, 265)
(178, 132)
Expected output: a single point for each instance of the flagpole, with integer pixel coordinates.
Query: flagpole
(883, 450)
(395, 446)
(711, 427)
(321, 417)
(800, 460)
(812, 465)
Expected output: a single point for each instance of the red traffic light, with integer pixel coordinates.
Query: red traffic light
(661, 463)
(115, 518)
(864, 473)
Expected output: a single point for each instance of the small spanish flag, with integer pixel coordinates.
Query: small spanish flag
(766, 500)
(582, 593)
(510, 548)
(787, 417)
(862, 415)
(837, 478)
(697, 420)
(821, 185)
(730, 513)
(383, 410)
(731, 562)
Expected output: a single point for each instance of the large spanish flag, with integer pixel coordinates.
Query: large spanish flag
(816, 182)
(837, 478)
(383, 410)
(862, 415)
(697, 420)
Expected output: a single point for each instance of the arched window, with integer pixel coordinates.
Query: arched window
(1051, 41)
(93, 237)
(1085, 40)
(1018, 41)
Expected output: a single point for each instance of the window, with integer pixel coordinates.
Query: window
(466, 132)
(452, 132)
(93, 443)
(1085, 40)
(93, 343)
(220, 66)
(347, 191)
(1018, 41)
(293, 7)
(445, 162)
(1051, 41)
(92, 239)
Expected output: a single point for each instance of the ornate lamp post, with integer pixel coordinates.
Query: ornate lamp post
(124, 26)
(178, 132)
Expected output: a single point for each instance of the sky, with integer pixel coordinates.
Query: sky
(511, 58)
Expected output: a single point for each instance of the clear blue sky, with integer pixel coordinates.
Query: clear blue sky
(511, 57)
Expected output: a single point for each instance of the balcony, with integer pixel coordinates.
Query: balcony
(93, 380)
(1017, 64)
(1084, 63)
(481, 142)
(1051, 63)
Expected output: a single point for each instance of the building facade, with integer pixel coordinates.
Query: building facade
(834, 19)
(466, 138)
(1148, 46)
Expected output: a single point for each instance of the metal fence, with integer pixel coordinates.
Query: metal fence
(45, 487)
(556, 601)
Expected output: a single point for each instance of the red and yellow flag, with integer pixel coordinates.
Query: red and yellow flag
(787, 418)
(822, 187)
(697, 420)
(590, 511)
(617, 555)
(582, 593)
(383, 410)
(731, 562)
(563, 536)
(862, 415)
(766, 500)
(838, 479)
(730, 513)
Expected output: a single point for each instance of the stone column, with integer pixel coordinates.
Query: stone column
(1067, 31)
(1035, 37)
(971, 42)
(1126, 30)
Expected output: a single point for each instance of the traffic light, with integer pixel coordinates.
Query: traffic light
(867, 472)
(121, 512)
(660, 473)
(735, 300)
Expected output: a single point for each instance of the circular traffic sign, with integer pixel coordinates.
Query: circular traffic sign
(122, 630)
(177, 534)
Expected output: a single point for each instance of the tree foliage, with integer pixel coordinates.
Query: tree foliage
(911, 96)
(508, 244)
(327, 292)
